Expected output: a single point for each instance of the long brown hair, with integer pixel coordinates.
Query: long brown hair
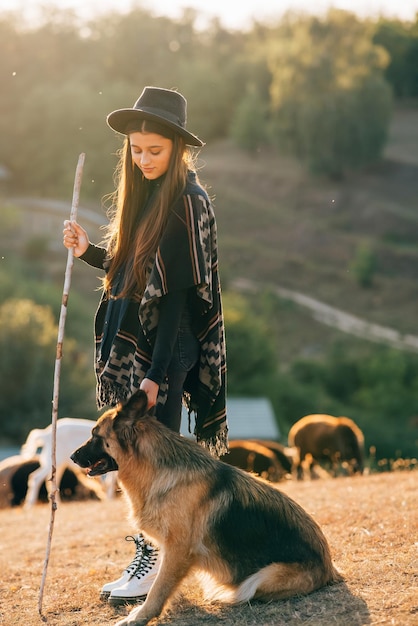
(133, 235)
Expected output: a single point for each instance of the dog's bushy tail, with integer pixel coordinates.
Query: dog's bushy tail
(277, 581)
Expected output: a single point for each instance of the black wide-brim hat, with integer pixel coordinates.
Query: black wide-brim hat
(165, 106)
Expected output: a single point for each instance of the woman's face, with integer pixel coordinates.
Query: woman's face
(151, 153)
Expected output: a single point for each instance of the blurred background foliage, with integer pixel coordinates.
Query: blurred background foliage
(319, 88)
(298, 111)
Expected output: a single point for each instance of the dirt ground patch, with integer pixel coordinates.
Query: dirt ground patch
(371, 523)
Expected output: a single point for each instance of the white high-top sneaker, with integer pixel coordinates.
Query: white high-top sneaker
(129, 571)
(141, 580)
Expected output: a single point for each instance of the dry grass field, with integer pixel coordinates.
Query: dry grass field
(371, 523)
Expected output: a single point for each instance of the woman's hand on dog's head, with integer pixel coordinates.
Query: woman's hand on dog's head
(151, 389)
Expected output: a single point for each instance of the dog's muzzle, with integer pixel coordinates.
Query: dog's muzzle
(95, 466)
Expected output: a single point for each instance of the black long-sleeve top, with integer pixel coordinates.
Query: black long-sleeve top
(171, 309)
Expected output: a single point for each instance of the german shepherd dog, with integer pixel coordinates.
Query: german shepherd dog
(248, 538)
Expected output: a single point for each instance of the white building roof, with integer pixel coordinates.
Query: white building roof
(248, 418)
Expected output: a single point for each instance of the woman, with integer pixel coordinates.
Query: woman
(159, 325)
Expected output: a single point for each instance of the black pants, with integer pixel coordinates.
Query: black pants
(185, 356)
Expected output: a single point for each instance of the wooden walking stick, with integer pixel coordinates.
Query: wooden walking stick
(57, 372)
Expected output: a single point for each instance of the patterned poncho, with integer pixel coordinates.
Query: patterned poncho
(186, 258)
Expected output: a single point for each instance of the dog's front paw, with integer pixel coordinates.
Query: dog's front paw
(133, 619)
(132, 622)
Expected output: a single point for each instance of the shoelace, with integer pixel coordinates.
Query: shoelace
(149, 558)
(139, 547)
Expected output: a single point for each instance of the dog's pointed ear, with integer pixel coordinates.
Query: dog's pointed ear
(127, 416)
(137, 405)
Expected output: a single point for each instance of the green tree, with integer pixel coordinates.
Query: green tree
(61, 77)
(400, 40)
(251, 357)
(248, 128)
(331, 106)
(28, 336)
(364, 264)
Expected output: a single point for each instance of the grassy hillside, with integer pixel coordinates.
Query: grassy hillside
(279, 226)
